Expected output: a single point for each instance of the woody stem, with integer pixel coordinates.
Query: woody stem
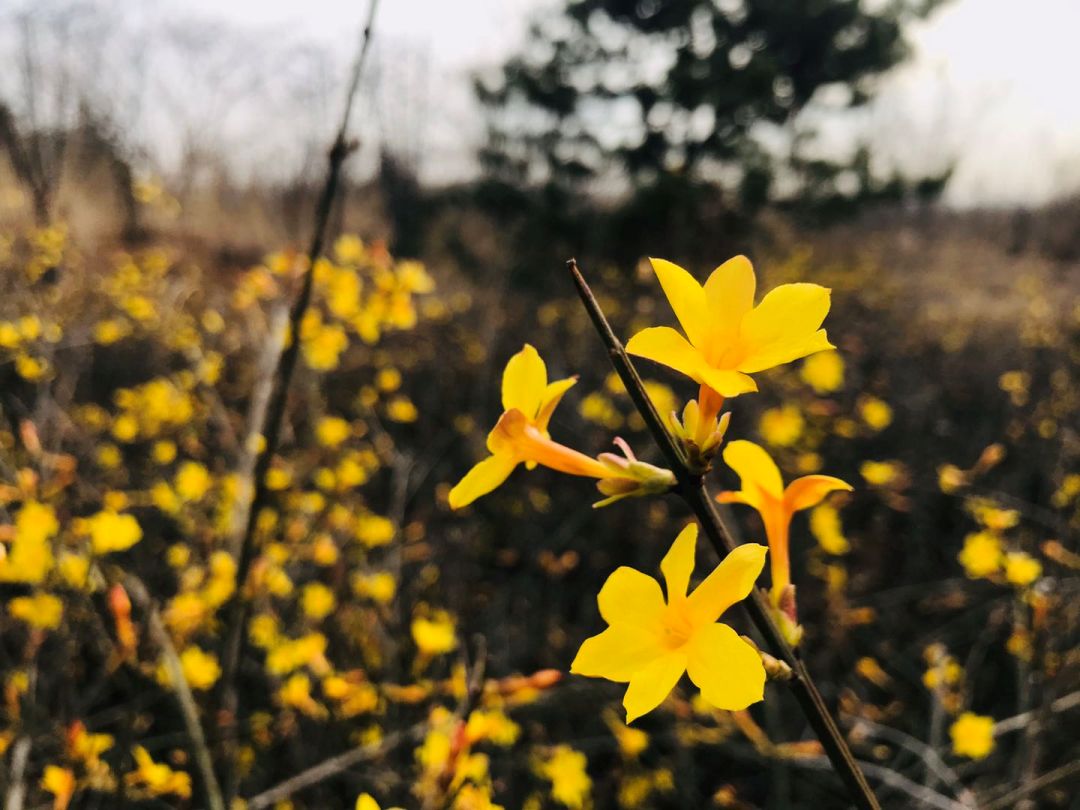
(697, 498)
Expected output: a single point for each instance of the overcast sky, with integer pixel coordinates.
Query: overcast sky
(992, 80)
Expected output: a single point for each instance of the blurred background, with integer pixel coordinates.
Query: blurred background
(160, 164)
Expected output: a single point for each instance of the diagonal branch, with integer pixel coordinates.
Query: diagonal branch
(693, 491)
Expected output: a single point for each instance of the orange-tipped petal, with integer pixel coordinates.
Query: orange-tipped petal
(755, 468)
(810, 490)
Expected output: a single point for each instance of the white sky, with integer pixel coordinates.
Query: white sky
(993, 81)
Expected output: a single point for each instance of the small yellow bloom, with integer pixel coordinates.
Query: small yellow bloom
(60, 782)
(824, 372)
(981, 555)
(972, 735)
(781, 427)
(730, 338)
(763, 489)
(527, 394)
(650, 643)
(401, 409)
(875, 412)
(111, 531)
(201, 668)
(192, 481)
(317, 601)
(880, 473)
(565, 768)
(332, 431)
(827, 530)
(41, 611)
(1021, 569)
(157, 778)
(434, 636)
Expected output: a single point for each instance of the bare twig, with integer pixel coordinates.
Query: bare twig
(20, 754)
(1066, 773)
(274, 416)
(186, 700)
(920, 795)
(333, 766)
(693, 491)
(1020, 721)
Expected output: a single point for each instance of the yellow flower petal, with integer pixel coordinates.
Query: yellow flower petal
(784, 327)
(617, 654)
(365, 802)
(755, 468)
(726, 669)
(649, 686)
(686, 297)
(524, 381)
(730, 582)
(663, 344)
(810, 490)
(678, 563)
(481, 480)
(727, 383)
(631, 598)
(550, 399)
(729, 294)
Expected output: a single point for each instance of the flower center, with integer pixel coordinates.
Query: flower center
(677, 627)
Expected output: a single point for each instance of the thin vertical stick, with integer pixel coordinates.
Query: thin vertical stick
(275, 413)
(692, 490)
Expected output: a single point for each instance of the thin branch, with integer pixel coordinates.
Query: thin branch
(693, 491)
(20, 754)
(1019, 721)
(333, 766)
(273, 421)
(1066, 773)
(923, 796)
(186, 700)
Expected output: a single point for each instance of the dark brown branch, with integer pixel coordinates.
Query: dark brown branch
(274, 418)
(697, 498)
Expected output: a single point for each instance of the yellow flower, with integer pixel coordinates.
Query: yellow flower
(163, 451)
(972, 735)
(30, 557)
(824, 372)
(434, 636)
(730, 338)
(1021, 569)
(157, 777)
(73, 569)
(827, 530)
(60, 782)
(763, 489)
(401, 409)
(650, 643)
(528, 401)
(332, 431)
(317, 601)
(41, 611)
(880, 473)
(374, 530)
(570, 783)
(875, 412)
(781, 427)
(192, 481)
(110, 531)
(379, 587)
(981, 555)
(201, 669)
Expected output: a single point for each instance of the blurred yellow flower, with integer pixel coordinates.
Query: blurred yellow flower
(565, 769)
(60, 782)
(111, 531)
(1021, 569)
(317, 601)
(157, 778)
(972, 735)
(434, 636)
(824, 372)
(827, 530)
(730, 338)
(981, 555)
(42, 611)
(401, 409)
(875, 412)
(880, 473)
(192, 481)
(650, 643)
(781, 427)
(332, 431)
(378, 587)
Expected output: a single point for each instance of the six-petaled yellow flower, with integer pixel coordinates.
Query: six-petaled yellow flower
(651, 642)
